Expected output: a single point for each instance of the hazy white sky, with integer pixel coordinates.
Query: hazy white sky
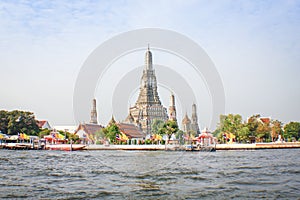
(255, 46)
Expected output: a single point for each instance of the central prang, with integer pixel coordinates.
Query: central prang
(148, 106)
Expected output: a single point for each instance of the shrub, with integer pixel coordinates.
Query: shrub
(148, 141)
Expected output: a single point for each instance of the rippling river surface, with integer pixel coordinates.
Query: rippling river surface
(271, 174)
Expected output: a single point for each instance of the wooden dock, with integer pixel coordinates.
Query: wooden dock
(19, 146)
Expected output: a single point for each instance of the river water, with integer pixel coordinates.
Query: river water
(271, 174)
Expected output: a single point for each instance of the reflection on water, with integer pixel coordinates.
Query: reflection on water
(258, 174)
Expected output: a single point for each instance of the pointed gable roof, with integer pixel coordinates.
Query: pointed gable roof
(130, 130)
(89, 128)
(41, 123)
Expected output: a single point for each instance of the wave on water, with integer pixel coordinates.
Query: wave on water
(154, 175)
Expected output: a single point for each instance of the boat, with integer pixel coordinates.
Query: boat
(210, 148)
(65, 147)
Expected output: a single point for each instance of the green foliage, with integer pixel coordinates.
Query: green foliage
(262, 133)
(100, 134)
(276, 129)
(243, 133)
(180, 135)
(292, 130)
(161, 128)
(111, 132)
(148, 141)
(156, 126)
(232, 123)
(253, 124)
(72, 137)
(16, 121)
(4, 121)
(44, 132)
(169, 128)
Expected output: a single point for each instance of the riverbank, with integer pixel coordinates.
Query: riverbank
(170, 147)
(254, 146)
(257, 146)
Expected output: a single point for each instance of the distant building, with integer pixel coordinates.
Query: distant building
(131, 131)
(94, 113)
(264, 120)
(191, 125)
(186, 124)
(172, 109)
(43, 124)
(258, 118)
(86, 132)
(194, 121)
(148, 105)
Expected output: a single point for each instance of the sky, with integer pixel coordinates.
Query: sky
(254, 45)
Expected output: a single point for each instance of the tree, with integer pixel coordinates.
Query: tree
(170, 127)
(44, 132)
(253, 124)
(3, 121)
(276, 129)
(100, 134)
(243, 133)
(16, 121)
(263, 132)
(232, 123)
(292, 130)
(157, 124)
(111, 132)
(180, 135)
(71, 137)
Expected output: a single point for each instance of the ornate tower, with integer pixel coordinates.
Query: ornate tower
(186, 124)
(194, 124)
(172, 109)
(148, 105)
(94, 113)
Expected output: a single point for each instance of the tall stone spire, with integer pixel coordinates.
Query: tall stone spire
(194, 124)
(94, 113)
(148, 105)
(172, 109)
(148, 88)
(148, 59)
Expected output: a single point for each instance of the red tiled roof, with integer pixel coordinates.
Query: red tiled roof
(265, 120)
(41, 123)
(130, 130)
(89, 128)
